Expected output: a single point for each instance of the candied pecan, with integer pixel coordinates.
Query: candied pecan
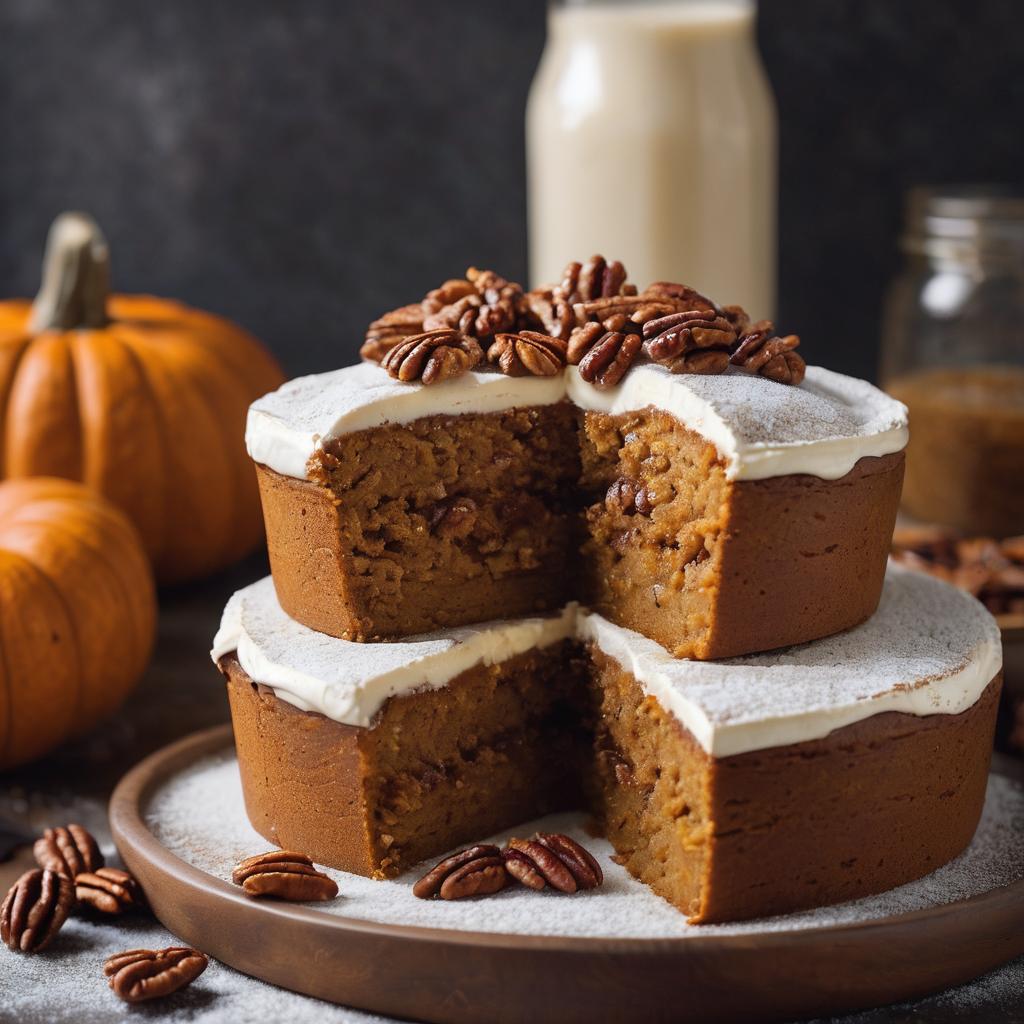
(595, 279)
(451, 291)
(35, 908)
(528, 353)
(285, 875)
(634, 306)
(737, 317)
(108, 890)
(761, 351)
(671, 336)
(454, 518)
(388, 330)
(69, 850)
(549, 309)
(140, 974)
(701, 361)
(487, 305)
(477, 871)
(682, 293)
(609, 357)
(432, 357)
(552, 859)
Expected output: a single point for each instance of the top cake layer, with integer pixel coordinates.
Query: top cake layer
(930, 649)
(760, 428)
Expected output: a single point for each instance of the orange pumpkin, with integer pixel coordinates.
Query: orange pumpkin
(143, 399)
(77, 613)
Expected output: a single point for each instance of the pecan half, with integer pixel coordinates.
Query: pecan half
(671, 336)
(548, 309)
(761, 351)
(451, 291)
(606, 355)
(108, 890)
(35, 908)
(283, 875)
(552, 859)
(140, 974)
(69, 850)
(682, 293)
(388, 330)
(477, 871)
(484, 306)
(528, 353)
(595, 279)
(432, 357)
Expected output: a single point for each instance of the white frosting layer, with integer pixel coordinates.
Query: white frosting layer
(761, 428)
(929, 649)
(348, 681)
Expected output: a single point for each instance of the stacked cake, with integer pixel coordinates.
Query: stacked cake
(664, 600)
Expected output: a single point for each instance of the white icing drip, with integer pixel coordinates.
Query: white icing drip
(761, 428)
(929, 649)
(348, 681)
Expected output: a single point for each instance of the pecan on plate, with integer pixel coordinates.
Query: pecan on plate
(552, 859)
(108, 890)
(595, 279)
(694, 341)
(283, 875)
(527, 353)
(477, 871)
(762, 352)
(388, 330)
(35, 908)
(140, 974)
(603, 356)
(69, 850)
(432, 357)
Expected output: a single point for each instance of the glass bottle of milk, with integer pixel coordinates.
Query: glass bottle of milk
(651, 138)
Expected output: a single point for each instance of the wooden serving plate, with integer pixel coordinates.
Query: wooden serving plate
(461, 977)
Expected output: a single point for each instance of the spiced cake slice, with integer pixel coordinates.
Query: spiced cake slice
(718, 515)
(735, 789)
(393, 510)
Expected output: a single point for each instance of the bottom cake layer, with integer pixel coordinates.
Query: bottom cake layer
(869, 806)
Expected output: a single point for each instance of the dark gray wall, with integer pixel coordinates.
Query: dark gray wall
(301, 166)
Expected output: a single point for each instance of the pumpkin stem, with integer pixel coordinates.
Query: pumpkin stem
(76, 277)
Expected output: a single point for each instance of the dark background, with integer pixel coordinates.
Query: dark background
(302, 166)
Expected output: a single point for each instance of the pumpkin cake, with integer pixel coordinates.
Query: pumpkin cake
(754, 786)
(719, 514)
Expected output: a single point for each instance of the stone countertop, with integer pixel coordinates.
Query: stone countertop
(179, 694)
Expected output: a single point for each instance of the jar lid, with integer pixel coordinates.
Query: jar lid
(988, 218)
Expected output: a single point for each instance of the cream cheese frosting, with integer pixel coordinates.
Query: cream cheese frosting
(929, 649)
(760, 428)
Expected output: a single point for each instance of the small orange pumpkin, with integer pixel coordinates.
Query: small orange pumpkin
(141, 398)
(77, 613)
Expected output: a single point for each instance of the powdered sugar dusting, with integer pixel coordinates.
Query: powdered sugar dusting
(199, 816)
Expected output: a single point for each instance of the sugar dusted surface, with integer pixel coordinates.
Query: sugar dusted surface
(760, 427)
(199, 816)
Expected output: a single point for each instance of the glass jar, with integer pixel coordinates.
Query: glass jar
(651, 138)
(953, 351)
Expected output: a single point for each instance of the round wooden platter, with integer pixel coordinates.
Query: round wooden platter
(445, 975)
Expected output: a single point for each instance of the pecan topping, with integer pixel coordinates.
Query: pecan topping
(69, 850)
(485, 305)
(548, 309)
(761, 351)
(140, 974)
(552, 859)
(680, 293)
(387, 331)
(449, 293)
(528, 353)
(108, 890)
(454, 519)
(285, 875)
(34, 910)
(432, 357)
(478, 871)
(675, 335)
(603, 356)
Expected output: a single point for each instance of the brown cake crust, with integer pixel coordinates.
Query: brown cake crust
(868, 807)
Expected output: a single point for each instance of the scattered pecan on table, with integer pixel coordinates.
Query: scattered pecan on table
(283, 875)
(140, 974)
(476, 871)
(36, 907)
(108, 891)
(69, 850)
(552, 859)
